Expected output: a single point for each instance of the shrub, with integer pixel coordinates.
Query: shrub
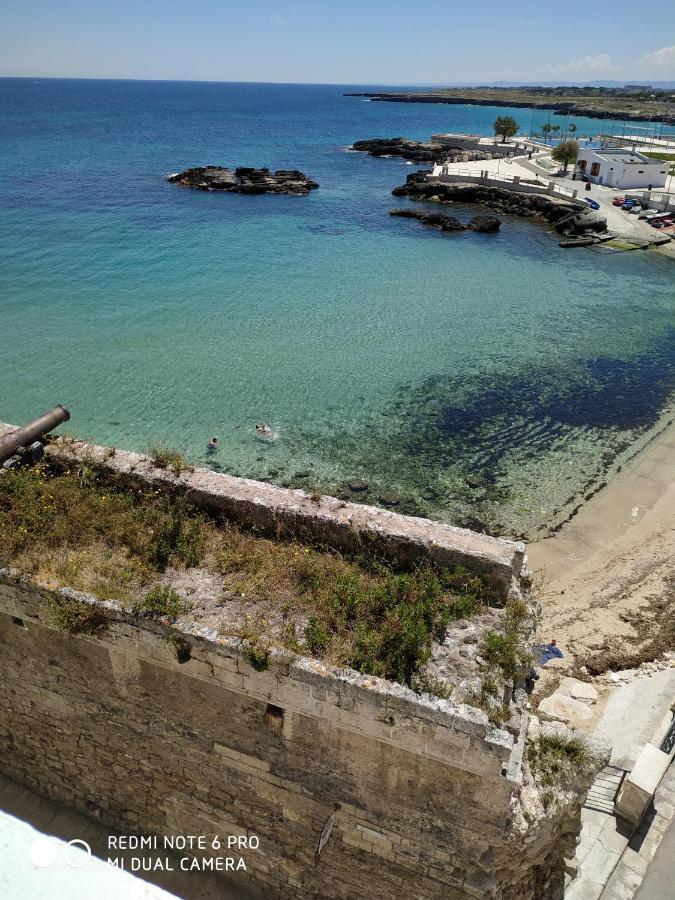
(426, 684)
(555, 757)
(383, 626)
(76, 616)
(161, 602)
(488, 698)
(259, 657)
(178, 536)
(505, 650)
(317, 636)
(165, 457)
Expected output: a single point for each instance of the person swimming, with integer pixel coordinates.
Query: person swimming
(264, 428)
(212, 445)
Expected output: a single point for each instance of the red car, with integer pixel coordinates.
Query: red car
(619, 201)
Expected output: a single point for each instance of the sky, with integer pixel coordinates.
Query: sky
(340, 41)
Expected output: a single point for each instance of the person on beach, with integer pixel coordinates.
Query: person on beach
(212, 445)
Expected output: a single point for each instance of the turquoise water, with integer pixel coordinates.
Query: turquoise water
(480, 378)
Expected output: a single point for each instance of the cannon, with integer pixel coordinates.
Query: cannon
(23, 444)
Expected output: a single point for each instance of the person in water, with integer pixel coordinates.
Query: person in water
(212, 445)
(263, 428)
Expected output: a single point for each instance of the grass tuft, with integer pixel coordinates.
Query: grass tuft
(161, 602)
(556, 758)
(164, 457)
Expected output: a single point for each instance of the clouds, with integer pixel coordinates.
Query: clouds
(596, 64)
(659, 62)
(662, 60)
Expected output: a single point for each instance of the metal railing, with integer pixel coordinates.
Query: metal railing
(528, 185)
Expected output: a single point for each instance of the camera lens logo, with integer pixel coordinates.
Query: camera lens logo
(44, 852)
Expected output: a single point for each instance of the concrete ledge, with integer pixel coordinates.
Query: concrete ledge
(326, 520)
(638, 790)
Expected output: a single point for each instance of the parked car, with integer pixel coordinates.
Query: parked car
(635, 210)
(619, 201)
(592, 203)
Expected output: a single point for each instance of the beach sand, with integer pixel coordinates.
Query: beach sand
(606, 580)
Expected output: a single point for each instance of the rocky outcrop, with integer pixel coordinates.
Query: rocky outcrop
(418, 151)
(484, 224)
(448, 223)
(566, 216)
(582, 221)
(245, 180)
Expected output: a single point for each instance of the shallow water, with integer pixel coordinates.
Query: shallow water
(489, 378)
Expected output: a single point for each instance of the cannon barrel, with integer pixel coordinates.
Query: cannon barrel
(25, 436)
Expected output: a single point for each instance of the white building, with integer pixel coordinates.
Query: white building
(621, 168)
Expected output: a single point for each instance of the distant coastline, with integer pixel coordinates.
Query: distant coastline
(510, 98)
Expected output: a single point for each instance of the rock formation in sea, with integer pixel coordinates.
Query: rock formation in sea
(245, 180)
(448, 223)
(566, 217)
(417, 151)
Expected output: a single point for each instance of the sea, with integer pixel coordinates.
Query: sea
(492, 381)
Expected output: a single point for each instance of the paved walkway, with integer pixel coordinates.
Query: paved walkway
(38, 863)
(659, 881)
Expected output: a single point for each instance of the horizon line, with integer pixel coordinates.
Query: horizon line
(438, 84)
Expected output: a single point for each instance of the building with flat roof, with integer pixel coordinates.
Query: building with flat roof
(621, 168)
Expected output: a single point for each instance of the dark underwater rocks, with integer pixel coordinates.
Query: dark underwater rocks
(245, 180)
(484, 224)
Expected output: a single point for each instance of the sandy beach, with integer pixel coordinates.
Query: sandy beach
(606, 580)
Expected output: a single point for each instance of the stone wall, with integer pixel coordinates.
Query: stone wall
(114, 725)
(325, 520)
